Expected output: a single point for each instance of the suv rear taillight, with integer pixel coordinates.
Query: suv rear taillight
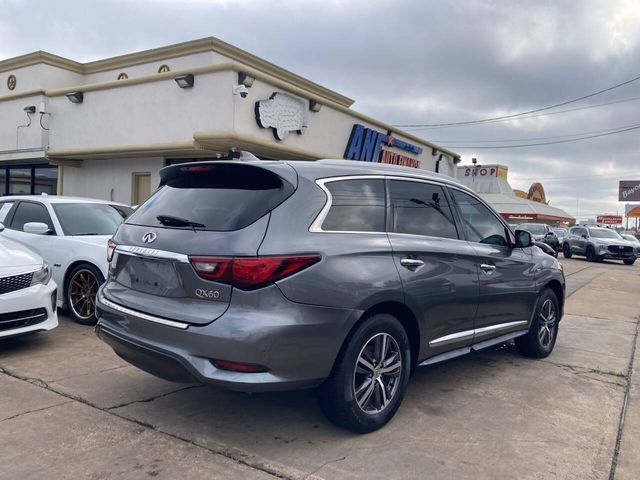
(111, 247)
(249, 273)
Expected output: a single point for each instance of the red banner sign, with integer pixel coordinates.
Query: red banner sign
(609, 219)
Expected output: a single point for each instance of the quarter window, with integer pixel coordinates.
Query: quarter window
(421, 209)
(30, 212)
(356, 206)
(481, 224)
(4, 210)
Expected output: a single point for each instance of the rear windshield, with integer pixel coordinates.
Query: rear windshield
(90, 218)
(213, 197)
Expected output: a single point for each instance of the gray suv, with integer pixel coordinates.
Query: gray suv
(345, 276)
(597, 243)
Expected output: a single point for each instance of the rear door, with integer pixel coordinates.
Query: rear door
(212, 210)
(437, 267)
(507, 274)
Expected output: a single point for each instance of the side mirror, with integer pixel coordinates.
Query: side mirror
(523, 239)
(549, 234)
(585, 236)
(38, 228)
(1, 226)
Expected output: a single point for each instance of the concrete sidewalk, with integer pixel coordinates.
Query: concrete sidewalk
(69, 408)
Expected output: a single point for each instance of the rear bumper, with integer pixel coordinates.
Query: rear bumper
(296, 343)
(28, 310)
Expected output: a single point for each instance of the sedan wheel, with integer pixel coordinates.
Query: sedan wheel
(82, 289)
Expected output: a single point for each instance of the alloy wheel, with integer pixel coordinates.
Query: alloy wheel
(377, 374)
(547, 323)
(83, 289)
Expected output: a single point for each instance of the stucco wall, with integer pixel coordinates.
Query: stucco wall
(98, 178)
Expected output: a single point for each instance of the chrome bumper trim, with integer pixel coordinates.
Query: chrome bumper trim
(143, 316)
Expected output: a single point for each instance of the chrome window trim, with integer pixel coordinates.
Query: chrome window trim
(151, 253)
(458, 336)
(143, 316)
(316, 226)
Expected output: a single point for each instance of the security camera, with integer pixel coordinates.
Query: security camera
(240, 90)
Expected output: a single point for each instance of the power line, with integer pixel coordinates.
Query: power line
(514, 115)
(568, 110)
(522, 145)
(540, 138)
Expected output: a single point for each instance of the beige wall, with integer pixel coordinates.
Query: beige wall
(98, 178)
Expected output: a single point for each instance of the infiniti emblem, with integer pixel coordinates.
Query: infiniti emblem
(149, 237)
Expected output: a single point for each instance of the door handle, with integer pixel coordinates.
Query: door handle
(486, 268)
(411, 262)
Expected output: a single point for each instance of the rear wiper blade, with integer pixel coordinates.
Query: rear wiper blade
(170, 221)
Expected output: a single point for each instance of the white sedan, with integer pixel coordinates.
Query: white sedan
(27, 293)
(71, 235)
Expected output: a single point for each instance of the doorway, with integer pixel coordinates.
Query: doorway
(141, 187)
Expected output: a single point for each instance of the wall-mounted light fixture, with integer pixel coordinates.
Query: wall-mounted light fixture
(314, 106)
(245, 79)
(434, 151)
(75, 97)
(30, 109)
(185, 81)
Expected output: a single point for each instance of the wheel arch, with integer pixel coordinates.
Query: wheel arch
(70, 269)
(405, 316)
(556, 287)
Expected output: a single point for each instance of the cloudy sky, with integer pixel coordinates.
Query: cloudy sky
(414, 63)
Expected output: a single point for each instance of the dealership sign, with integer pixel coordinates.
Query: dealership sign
(609, 219)
(365, 145)
(629, 191)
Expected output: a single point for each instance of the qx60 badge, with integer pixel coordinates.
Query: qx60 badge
(149, 237)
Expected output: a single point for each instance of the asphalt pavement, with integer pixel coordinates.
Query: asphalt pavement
(70, 408)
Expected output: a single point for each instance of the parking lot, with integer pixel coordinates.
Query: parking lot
(70, 408)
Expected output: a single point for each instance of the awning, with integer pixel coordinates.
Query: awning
(512, 207)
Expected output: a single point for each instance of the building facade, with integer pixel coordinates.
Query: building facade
(515, 206)
(104, 129)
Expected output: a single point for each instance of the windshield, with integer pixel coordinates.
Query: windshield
(604, 233)
(90, 218)
(533, 228)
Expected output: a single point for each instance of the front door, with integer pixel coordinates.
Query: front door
(437, 268)
(141, 188)
(507, 274)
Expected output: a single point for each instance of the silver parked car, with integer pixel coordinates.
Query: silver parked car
(597, 243)
(345, 276)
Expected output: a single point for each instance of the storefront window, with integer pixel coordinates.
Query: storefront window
(45, 180)
(28, 180)
(19, 181)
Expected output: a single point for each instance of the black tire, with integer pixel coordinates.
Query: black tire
(566, 250)
(629, 261)
(542, 335)
(591, 254)
(337, 395)
(80, 290)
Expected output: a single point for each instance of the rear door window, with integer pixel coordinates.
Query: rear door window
(421, 209)
(220, 197)
(30, 212)
(357, 205)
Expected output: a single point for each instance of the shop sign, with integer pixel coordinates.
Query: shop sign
(629, 191)
(609, 219)
(365, 145)
(497, 171)
(283, 113)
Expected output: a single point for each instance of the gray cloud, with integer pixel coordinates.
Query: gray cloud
(409, 62)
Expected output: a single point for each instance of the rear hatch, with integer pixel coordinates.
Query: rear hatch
(207, 211)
